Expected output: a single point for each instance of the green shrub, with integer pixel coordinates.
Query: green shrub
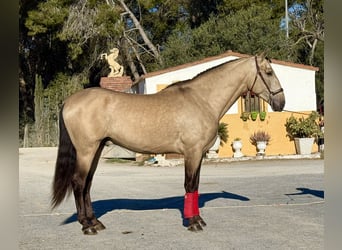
(303, 127)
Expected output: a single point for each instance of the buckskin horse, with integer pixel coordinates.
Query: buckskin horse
(188, 114)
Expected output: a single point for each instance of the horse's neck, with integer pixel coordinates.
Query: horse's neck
(220, 88)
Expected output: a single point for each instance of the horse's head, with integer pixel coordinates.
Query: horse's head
(266, 84)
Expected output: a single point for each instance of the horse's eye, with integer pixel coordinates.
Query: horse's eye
(269, 71)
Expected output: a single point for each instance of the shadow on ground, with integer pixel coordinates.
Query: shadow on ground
(308, 191)
(102, 207)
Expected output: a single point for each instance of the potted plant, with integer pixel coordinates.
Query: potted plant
(222, 137)
(260, 139)
(254, 115)
(244, 116)
(303, 131)
(262, 115)
(223, 133)
(237, 145)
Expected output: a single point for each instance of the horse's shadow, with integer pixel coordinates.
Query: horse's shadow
(102, 207)
(304, 191)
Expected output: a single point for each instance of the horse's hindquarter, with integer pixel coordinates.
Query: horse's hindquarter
(156, 123)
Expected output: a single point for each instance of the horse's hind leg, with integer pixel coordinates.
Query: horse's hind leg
(81, 183)
(78, 185)
(97, 225)
(191, 184)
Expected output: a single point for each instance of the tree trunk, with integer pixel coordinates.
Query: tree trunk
(312, 52)
(38, 110)
(142, 32)
(129, 60)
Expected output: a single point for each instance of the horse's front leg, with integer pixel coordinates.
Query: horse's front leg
(191, 184)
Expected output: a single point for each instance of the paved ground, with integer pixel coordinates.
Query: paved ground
(271, 204)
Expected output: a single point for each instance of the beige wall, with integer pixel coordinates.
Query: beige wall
(279, 144)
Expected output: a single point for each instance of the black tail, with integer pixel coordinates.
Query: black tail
(65, 165)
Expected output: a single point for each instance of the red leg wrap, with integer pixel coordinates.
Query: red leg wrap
(191, 204)
(195, 206)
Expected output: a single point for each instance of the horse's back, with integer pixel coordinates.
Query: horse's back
(89, 96)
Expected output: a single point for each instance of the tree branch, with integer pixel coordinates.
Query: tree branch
(137, 24)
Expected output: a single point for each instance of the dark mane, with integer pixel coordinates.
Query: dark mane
(199, 74)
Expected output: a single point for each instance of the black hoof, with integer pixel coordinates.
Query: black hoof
(99, 226)
(89, 231)
(196, 224)
(195, 227)
(201, 221)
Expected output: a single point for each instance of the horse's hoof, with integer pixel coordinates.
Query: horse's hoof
(195, 227)
(89, 231)
(201, 222)
(196, 223)
(99, 226)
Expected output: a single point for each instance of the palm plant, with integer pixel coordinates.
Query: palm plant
(223, 133)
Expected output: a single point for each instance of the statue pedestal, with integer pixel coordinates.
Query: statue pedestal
(120, 83)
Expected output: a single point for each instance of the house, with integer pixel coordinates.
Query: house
(297, 80)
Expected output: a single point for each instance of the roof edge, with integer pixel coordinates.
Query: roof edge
(225, 54)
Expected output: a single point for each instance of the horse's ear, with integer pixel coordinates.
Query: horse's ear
(262, 55)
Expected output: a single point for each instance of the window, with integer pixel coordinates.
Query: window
(251, 102)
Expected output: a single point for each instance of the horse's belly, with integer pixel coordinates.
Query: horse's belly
(148, 140)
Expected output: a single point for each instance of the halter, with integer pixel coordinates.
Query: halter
(263, 80)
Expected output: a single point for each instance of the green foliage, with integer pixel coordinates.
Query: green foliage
(179, 48)
(245, 116)
(87, 24)
(159, 18)
(223, 132)
(303, 127)
(232, 6)
(63, 86)
(48, 102)
(48, 16)
(201, 10)
(108, 21)
(254, 115)
(250, 31)
(262, 115)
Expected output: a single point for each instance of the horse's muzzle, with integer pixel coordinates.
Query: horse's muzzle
(278, 101)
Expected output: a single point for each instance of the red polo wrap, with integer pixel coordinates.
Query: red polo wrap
(191, 204)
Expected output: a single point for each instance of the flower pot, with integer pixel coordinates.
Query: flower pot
(237, 145)
(261, 146)
(262, 115)
(214, 148)
(304, 145)
(254, 115)
(245, 116)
